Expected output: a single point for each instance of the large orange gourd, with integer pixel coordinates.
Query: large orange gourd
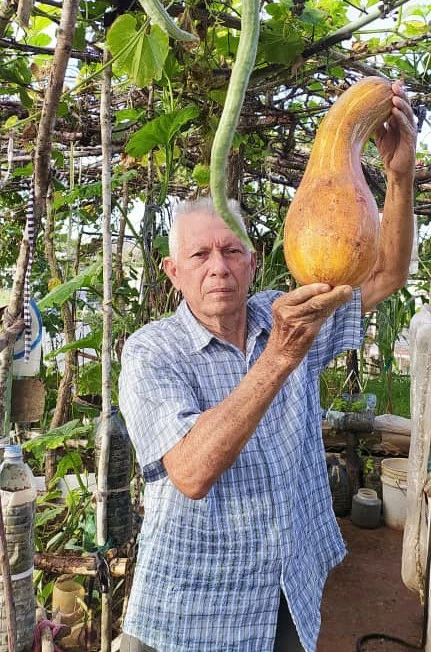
(331, 231)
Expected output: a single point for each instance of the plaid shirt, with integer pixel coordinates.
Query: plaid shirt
(209, 571)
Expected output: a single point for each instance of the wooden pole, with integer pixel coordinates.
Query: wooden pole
(102, 476)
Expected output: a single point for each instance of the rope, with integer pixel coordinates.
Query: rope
(12, 328)
(30, 231)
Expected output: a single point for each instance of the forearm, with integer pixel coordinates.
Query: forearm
(397, 228)
(395, 242)
(219, 435)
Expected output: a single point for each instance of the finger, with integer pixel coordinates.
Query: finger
(326, 303)
(405, 123)
(317, 299)
(398, 89)
(304, 293)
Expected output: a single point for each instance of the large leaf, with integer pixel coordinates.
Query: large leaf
(55, 437)
(140, 54)
(63, 292)
(160, 131)
(280, 45)
(91, 341)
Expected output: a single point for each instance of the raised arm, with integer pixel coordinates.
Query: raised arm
(396, 142)
(217, 438)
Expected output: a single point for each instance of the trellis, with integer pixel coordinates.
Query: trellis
(278, 100)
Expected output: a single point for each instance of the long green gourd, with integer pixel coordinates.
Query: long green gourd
(158, 14)
(241, 71)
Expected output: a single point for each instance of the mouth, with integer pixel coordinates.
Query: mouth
(221, 291)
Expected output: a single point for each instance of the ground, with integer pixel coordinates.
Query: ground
(365, 594)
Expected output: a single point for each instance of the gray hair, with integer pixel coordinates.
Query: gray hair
(203, 205)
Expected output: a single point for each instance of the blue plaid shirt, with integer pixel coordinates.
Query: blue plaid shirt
(209, 571)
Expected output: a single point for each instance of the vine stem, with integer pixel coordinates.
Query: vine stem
(346, 31)
(242, 69)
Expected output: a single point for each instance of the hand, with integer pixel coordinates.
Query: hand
(396, 140)
(298, 317)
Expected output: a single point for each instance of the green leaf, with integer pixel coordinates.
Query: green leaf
(91, 341)
(79, 37)
(218, 96)
(47, 515)
(15, 71)
(201, 174)
(25, 98)
(55, 438)
(63, 292)
(281, 45)
(62, 109)
(25, 171)
(312, 16)
(160, 131)
(140, 55)
(126, 115)
(161, 243)
(69, 462)
(40, 40)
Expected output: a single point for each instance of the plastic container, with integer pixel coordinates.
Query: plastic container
(119, 508)
(339, 485)
(366, 508)
(30, 367)
(68, 608)
(67, 599)
(394, 483)
(18, 494)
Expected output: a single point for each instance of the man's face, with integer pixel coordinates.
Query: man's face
(213, 268)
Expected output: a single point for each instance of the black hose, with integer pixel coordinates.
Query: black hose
(395, 639)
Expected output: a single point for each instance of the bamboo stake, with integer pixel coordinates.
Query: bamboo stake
(102, 479)
(11, 315)
(42, 157)
(42, 161)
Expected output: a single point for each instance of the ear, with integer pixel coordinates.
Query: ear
(170, 268)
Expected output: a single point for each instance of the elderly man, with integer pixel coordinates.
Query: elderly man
(221, 401)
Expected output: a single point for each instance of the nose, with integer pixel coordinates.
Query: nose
(217, 264)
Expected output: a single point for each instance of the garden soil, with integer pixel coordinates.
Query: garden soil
(365, 594)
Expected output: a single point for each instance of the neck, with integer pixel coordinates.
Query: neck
(232, 328)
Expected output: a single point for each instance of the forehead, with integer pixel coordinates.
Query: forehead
(201, 228)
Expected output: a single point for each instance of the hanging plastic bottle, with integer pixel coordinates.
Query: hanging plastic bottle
(18, 495)
(119, 508)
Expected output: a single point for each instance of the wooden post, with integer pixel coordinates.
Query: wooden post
(102, 478)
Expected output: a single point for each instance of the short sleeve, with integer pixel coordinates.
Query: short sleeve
(157, 402)
(342, 331)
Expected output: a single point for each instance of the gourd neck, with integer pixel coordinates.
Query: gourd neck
(339, 144)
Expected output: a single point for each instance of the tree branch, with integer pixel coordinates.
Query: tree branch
(35, 49)
(7, 11)
(42, 158)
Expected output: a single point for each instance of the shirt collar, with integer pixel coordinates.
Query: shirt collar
(200, 337)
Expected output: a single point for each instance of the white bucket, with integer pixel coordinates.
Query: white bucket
(394, 484)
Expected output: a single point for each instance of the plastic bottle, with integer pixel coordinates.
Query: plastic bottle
(119, 509)
(339, 485)
(18, 495)
(366, 508)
